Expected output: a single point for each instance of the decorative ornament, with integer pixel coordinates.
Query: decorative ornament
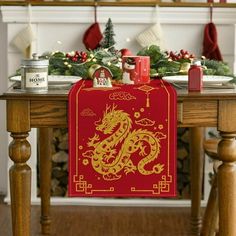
(184, 58)
(77, 56)
(92, 69)
(102, 77)
(108, 36)
(125, 52)
(184, 68)
(182, 55)
(147, 89)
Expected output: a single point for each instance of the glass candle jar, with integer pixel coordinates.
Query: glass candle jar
(34, 74)
(195, 77)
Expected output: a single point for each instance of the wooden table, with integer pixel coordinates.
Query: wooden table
(210, 108)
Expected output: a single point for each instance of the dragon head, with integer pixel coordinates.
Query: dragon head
(111, 118)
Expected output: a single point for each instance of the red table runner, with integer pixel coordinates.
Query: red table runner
(122, 140)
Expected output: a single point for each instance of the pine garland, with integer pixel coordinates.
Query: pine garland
(212, 67)
(72, 64)
(169, 63)
(161, 63)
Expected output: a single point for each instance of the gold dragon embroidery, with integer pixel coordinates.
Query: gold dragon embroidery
(108, 160)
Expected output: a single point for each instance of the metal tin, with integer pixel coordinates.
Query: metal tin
(34, 74)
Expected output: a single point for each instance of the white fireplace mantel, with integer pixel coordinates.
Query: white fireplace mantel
(132, 15)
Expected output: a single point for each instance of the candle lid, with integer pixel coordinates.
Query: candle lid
(196, 63)
(35, 61)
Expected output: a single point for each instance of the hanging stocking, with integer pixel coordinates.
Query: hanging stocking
(22, 41)
(93, 36)
(153, 35)
(210, 46)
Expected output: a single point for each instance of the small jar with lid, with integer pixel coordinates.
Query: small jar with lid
(195, 77)
(34, 74)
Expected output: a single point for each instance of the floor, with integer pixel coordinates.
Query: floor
(107, 221)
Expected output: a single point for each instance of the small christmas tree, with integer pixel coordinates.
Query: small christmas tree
(108, 36)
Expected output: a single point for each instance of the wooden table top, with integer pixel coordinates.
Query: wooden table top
(193, 109)
(56, 92)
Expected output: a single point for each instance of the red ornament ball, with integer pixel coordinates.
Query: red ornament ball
(125, 52)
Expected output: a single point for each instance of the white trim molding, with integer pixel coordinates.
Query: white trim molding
(117, 202)
(131, 15)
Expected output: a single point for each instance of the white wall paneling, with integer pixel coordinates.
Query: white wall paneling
(3, 87)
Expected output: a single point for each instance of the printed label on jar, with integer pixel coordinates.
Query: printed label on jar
(34, 80)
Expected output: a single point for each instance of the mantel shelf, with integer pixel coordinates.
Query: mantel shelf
(120, 3)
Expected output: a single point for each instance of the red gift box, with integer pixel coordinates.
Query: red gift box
(136, 69)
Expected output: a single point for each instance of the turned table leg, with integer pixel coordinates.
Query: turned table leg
(227, 184)
(196, 155)
(20, 173)
(211, 215)
(45, 139)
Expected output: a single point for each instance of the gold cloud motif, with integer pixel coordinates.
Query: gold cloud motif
(121, 96)
(87, 112)
(145, 122)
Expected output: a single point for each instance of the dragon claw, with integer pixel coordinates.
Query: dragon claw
(142, 151)
(93, 141)
(130, 167)
(111, 177)
(108, 159)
